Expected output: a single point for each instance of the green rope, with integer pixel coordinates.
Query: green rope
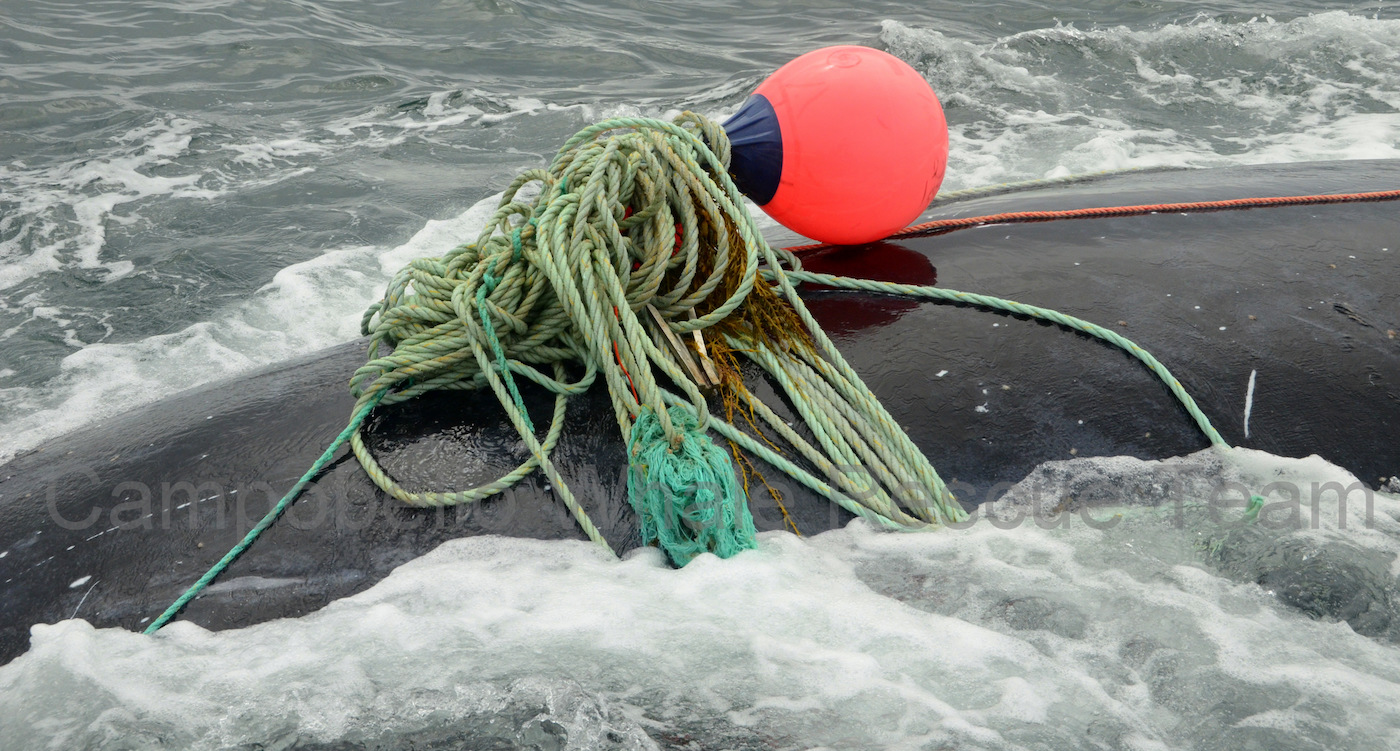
(636, 235)
(562, 279)
(666, 484)
(361, 412)
(1068, 321)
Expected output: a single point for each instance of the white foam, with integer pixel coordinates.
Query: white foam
(271, 152)
(1325, 86)
(1028, 637)
(390, 126)
(306, 306)
(40, 239)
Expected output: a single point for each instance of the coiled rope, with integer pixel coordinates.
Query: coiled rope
(634, 238)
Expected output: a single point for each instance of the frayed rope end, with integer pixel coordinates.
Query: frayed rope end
(686, 496)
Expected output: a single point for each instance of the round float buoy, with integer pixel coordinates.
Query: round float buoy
(844, 145)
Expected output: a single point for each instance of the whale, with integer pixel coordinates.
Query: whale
(1281, 322)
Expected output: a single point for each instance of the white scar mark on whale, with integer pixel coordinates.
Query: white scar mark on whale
(1249, 401)
(83, 600)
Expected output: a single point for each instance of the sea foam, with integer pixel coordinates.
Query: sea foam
(1050, 633)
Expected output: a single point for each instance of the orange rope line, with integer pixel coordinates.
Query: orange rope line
(1017, 217)
(618, 354)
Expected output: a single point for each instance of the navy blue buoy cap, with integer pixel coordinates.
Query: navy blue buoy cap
(756, 149)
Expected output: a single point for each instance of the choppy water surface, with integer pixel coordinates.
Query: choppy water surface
(189, 190)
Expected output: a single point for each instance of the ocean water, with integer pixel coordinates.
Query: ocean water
(192, 190)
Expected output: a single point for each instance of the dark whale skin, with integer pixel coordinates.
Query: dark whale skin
(113, 521)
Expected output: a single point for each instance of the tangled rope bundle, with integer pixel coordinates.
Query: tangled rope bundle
(641, 215)
(632, 239)
(637, 225)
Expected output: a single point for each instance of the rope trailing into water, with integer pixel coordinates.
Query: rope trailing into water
(268, 520)
(633, 240)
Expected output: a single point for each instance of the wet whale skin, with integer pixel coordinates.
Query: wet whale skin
(113, 521)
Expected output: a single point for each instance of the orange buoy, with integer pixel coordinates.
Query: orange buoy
(844, 145)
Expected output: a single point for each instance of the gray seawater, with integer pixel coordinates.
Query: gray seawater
(189, 190)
